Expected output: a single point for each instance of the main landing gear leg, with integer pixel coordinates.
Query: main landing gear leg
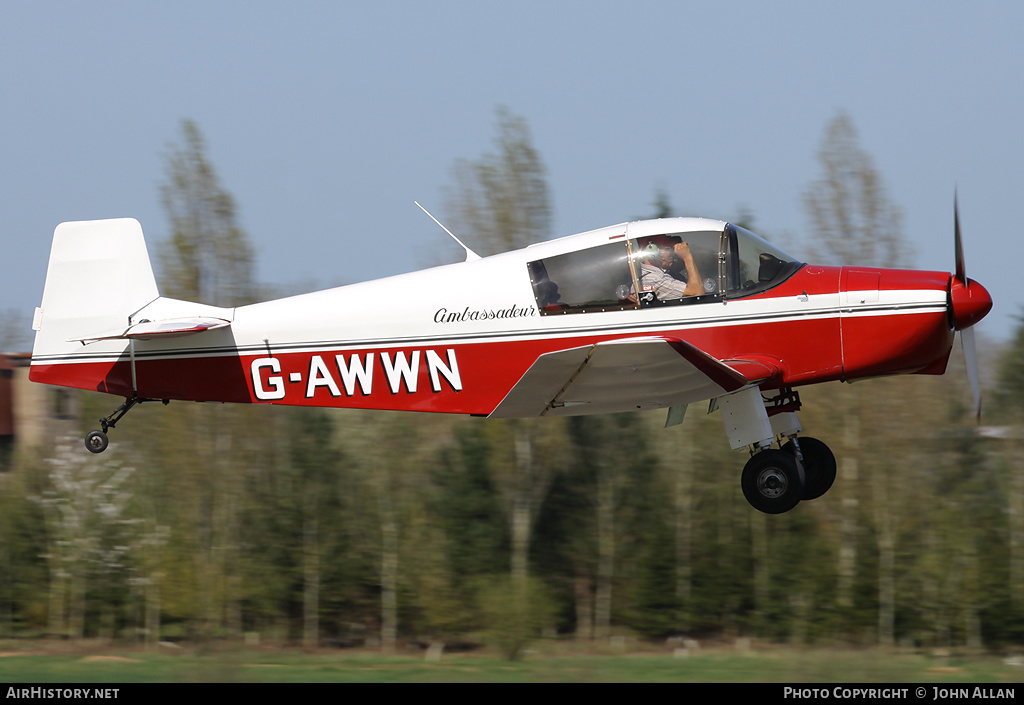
(97, 441)
(818, 462)
(776, 480)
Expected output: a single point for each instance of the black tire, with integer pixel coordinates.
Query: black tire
(772, 482)
(96, 441)
(819, 465)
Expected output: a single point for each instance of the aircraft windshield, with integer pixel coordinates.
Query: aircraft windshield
(752, 264)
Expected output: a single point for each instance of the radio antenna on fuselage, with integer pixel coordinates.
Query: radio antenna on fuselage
(470, 255)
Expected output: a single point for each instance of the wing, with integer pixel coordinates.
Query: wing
(625, 375)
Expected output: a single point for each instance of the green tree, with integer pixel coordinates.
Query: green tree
(501, 201)
(389, 458)
(854, 222)
(208, 257)
(1009, 389)
(293, 522)
(24, 569)
(465, 506)
(204, 454)
(517, 610)
(1009, 411)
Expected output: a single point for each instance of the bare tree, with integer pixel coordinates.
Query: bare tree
(854, 222)
(15, 330)
(85, 508)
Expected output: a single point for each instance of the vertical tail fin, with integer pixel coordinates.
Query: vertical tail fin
(99, 274)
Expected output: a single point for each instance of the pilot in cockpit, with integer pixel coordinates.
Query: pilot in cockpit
(659, 258)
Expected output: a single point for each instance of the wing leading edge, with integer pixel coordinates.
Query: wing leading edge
(624, 375)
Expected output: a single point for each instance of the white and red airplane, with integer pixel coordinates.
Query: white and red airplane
(597, 322)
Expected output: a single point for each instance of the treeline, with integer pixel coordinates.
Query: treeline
(326, 527)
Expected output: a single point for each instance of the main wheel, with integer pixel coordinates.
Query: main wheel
(96, 441)
(819, 465)
(772, 481)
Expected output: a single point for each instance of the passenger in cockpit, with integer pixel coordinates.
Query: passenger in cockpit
(659, 258)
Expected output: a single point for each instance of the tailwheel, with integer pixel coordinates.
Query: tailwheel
(819, 465)
(96, 441)
(772, 481)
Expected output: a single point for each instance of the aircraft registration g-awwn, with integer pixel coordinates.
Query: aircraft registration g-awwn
(642, 315)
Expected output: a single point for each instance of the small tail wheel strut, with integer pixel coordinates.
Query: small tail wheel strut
(97, 441)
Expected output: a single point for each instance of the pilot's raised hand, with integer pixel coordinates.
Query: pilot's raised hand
(694, 284)
(682, 250)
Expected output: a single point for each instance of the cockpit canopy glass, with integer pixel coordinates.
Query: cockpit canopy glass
(665, 274)
(659, 270)
(595, 279)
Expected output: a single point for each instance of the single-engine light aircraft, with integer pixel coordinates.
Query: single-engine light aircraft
(643, 315)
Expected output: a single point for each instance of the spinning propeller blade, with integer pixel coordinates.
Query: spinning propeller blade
(969, 301)
(958, 243)
(971, 361)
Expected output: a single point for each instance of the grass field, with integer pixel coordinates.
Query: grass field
(57, 662)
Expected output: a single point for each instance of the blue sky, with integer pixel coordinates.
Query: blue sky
(326, 120)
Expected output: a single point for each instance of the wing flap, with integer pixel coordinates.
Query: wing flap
(618, 375)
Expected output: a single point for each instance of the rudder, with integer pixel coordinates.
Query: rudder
(99, 274)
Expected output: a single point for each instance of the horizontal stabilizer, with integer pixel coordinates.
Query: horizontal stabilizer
(152, 330)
